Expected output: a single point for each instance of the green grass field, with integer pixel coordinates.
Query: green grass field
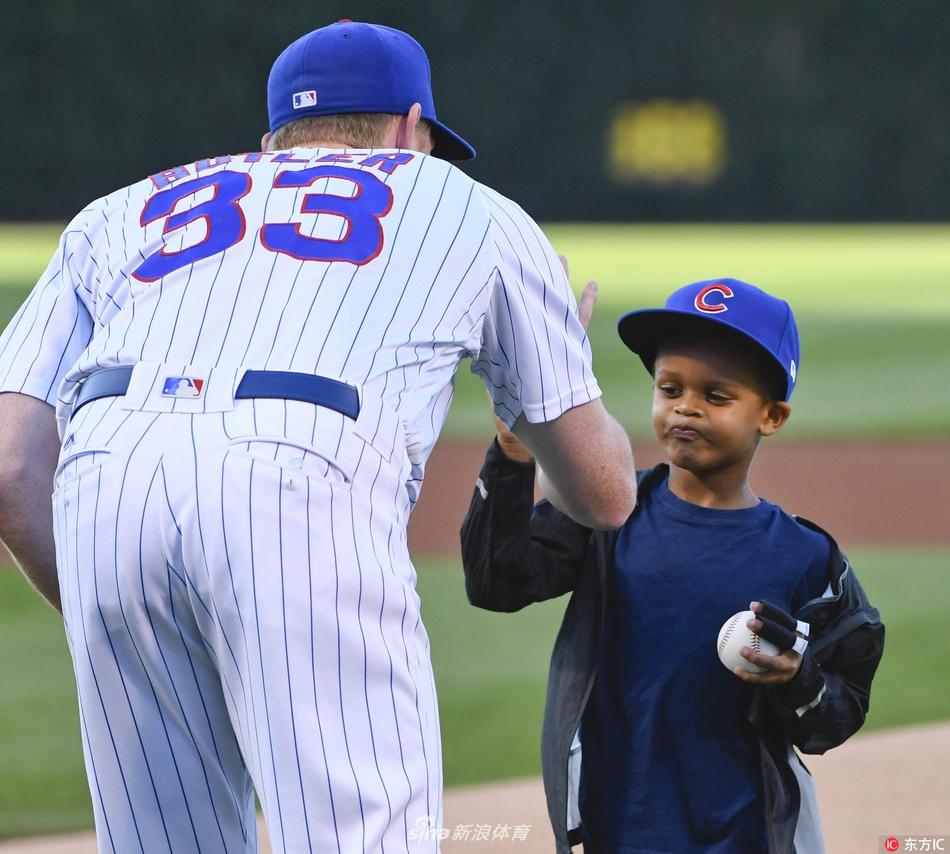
(490, 669)
(871, 301)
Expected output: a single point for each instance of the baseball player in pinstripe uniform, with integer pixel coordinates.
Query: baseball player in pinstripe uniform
(250, 358)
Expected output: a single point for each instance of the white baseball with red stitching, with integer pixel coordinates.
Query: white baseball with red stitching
(734, 635)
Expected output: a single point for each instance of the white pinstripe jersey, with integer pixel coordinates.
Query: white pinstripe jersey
(382, 268)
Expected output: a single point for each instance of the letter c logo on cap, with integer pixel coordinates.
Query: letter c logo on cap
(713, 308)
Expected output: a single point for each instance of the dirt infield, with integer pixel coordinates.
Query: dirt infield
(866, 493)
(892, 783)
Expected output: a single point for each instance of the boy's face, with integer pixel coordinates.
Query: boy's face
(709, 406)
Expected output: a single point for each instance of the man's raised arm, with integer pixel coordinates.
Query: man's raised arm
(586, 464)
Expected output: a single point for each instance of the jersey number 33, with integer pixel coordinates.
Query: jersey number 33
(361, 242)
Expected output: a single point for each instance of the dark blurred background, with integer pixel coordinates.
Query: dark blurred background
(662, 110)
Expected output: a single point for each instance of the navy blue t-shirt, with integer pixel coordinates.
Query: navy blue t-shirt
(670, 761)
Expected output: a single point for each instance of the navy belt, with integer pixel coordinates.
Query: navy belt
(279, 385)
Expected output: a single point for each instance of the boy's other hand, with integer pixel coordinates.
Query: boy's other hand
(511, 446)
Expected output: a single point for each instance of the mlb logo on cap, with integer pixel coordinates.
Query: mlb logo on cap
(305, 99)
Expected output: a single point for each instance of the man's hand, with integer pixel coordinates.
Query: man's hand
(29, 448)
(511, 446)
(585, 307)
(788, 634)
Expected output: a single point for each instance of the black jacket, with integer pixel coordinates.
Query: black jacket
(515, 553)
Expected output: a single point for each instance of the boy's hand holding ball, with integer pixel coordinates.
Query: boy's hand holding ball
(780, 638)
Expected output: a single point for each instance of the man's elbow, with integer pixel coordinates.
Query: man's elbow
(613, 514)
(609, 521)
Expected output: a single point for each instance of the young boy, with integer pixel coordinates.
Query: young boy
(679, 754)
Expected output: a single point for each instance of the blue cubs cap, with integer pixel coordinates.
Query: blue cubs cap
(744, 309)
(352, 67)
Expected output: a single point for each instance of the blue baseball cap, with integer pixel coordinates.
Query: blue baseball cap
(352, 67)
(756, 316)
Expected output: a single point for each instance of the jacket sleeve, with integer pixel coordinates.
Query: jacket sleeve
(828, 700)
(514, 553)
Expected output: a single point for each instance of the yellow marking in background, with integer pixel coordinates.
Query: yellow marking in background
(665, 142)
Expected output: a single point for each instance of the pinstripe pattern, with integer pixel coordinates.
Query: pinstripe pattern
(238, 595)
